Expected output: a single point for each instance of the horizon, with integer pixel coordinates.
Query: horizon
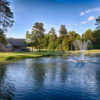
(76, 15)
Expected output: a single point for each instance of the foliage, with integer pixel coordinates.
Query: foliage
(96, 43)
(63, 31)
(35, 37)
(71, 37)
(64, 41)
(6, 15)
(98, 23)
(88, 35)
(6, 19)
(2, 38)
(52, 39)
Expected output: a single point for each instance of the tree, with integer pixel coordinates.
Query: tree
(65, 43)
(38, 30)
(63, 31)
(72, 36)
(6, 15)
(6, 19)
(39, 27)
(62, 35)
(88, 35)
(46, 41)
(98, 23)
(96, 35)
(35, 37)
(52, 39)
(30, 39)
(2, 38)
(27, 35)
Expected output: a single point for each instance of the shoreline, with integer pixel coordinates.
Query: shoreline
(11, 57)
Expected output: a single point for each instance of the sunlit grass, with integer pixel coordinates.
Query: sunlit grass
(86, 52)
(10, 57)
(6, 57)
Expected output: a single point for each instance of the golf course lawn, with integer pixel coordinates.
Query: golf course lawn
(9, 57)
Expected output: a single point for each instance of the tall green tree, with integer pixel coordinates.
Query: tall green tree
(72, 36)
(46, 41)
(88, 35)
(6, 15)
(2, 38)
(65, 44)
(96, 35)
(62, 34)
(30, 39)
(63, 31)
(35, 37)
(98, 23)
(6, 19)
(38, 30)
(52, 39)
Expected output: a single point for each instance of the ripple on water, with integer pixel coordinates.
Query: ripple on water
(50, 79)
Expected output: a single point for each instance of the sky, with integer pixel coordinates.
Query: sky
(78, 15)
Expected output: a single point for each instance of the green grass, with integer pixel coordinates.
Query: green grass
(9, 57)
(87, 52)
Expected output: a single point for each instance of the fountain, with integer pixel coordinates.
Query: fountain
(82, 46)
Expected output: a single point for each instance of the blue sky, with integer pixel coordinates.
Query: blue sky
(77, 15)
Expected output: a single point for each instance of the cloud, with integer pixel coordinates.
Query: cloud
(91, 18)
(72, 25)
(82, 13)
(89, 11)
(84, 22)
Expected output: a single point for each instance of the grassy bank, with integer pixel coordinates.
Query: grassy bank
(9, 57)
(87, 52)
(12, 57)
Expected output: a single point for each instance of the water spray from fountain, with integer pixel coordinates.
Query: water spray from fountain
(82, 46)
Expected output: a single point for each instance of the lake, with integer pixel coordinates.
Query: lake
(50, 78)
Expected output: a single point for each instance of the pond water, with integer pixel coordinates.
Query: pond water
(50, 79)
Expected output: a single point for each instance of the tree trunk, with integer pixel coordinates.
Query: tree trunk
(32, 48)
(71, 46)
(39, 49)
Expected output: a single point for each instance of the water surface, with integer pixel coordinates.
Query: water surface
(50, 79)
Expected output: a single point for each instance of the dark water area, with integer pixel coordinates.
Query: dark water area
(50, 79)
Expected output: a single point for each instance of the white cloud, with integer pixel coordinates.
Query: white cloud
(91, 18)
(71, 24)
(82, 13)
(84, 22)
(89, 11)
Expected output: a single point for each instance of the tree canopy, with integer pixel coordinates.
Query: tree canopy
(64, 40)
(6, 19)
(6, 15)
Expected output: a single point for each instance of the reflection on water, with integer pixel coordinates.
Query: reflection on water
(50, 79)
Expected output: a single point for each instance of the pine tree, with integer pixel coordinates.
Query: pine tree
(6, 15)
(52, 39)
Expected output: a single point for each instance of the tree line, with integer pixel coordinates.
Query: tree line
(6, 19)
(38, 39)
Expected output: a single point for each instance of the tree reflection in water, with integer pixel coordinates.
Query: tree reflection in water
(49, 79)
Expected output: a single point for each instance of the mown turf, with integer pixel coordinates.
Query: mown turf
(87, 52)
(11, 57)
(8, 57)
